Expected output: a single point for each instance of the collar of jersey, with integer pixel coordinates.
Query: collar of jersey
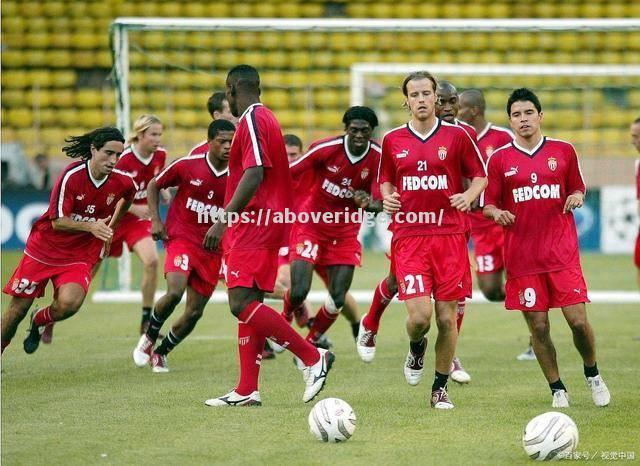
(249, 109)
(213, 169)
(484, 131)
(353, 158)
(142, 160)
(96, 183)
(424, 137)
(531, 152)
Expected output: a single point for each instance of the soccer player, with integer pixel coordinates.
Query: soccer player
(143, 159)
(218, 108)
(534, 184)
(635, 140)
(258, 187)
(487, 237)
(343, 168)
(201, 181)
(73, 235)
(421, 179)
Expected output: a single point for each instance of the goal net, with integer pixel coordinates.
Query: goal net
(312, 69)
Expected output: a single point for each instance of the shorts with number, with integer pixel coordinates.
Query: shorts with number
(201, 266)
(435, 265)
(251, 268)
(636, 256)
(308, 246)
(488, 244)
(31, 277)
(130, 230)
(543, 291)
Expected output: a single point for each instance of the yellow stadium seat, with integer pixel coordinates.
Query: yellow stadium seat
(92, 118)
(84, 59)
(50, 136)
(450, 10)
(69, 117)
(194, 9)
(317, 40)
(187, 118)
(104, 59)
(30, 9)
(39, 98)
(607, 57)
(19, 117)
(9, 9)
(89, 98)
(173, 9)
(218, 9)
(205, 81)
(277, 98)
(13, 98)
(184, 100)
(54, 9)
(153, 40)
(289, 10)
(345, 59)
(242, 10)
(568, 10)
(633, 10)
(265, 10)
(498, 10)
(63, 98)
(59, 58)
(591, 10)
(138, 98)
(15, 79)
(357, 10)
(312, 10)
(13, 59)
(322, 59)
(39, 78)
(277, 59)
(298, 98)
(12, 24)
(300, 60)
(36, 24)
(289, 118)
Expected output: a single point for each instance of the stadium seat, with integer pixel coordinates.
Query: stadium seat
(29, 9)
(13, 59)
(89, 98)
(63, 98)
(312, 10)
(21, 117)
(59, 58)
(13, 98)
(36, 24)
(174, 9)
(12, 24)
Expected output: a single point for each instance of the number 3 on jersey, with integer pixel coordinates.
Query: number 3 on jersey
(485, 263)
(411, 281)
(24, 286)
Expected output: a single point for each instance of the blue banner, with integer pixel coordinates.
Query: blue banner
(20, 208)
(588, 221)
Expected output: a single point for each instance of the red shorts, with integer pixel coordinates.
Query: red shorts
(543, 291)
(488, 244)
(31, 277)
(306, 245)
(130, 230)
(201, 266)
(283, 256)
(251, 267)
(435, 265)
(636, 256)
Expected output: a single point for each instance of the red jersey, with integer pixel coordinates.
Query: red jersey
(334, 170)
(426, 170)
(490, 138)
(258, 142)
(200, 148)
(82, 198)
(142, 170)
(471, 131)
(200, 196)
(534, 185)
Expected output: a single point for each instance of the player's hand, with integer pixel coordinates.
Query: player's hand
(360, 198)
(158, 231)
(106, 249)
(503, 217)
(214, 236)
(391, 203)
(100, 229)
(461, 202)
(574, 201)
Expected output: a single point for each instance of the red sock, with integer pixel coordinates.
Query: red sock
(321, 323)
(250, 347)
(381, 299)
(266, 322)
(288, 309)
(43, 317)
(460, 313)
(4, 345)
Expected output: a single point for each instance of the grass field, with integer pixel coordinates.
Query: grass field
(82, 401)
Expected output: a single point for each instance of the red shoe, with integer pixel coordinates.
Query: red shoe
(47, 334)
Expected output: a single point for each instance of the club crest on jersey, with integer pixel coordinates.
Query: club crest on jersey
(488, 151)
(521, 297)
(364, 173)
(553, 163)
(299, 248)
(196, 182)
(177, 261)
(442, 152)
(110, 198)
(402, 154)
(16, 282)
(333, 168)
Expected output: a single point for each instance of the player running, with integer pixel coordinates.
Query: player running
(201, 181)
(67, 241)
(534, 184)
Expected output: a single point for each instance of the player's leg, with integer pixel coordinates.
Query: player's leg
(283, 282)
(301, 277)
(182, 327)
(492, 286)
(14, 314)
(418, 323)
(340, 278)
(350, 312)
(145, 249)
(446, 312)
(370, 322)
(176, 284)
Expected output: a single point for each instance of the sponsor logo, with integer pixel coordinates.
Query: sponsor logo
(511, 172)
(364, 173)
(539, 191)
(426, 182)
(110, 198)
(243, 341)
(196, 182)
(553, 163)
(402, 154)
(235, 273)
(442, 152)
(333, 168)
(577, 290)
(80, 197)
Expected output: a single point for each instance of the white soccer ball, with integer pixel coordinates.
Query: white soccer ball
(332, 420)
(550, 436)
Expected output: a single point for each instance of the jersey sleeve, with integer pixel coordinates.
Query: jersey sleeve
(254, 143)
(302, 168)
(471, 160)
(387, 167)
(375, 186)
(169, 177)
(574, 181)
(492, 195)
(131, 188)
(61, 200)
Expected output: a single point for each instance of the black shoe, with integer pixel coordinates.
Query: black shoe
(32, 341)
(323, 342)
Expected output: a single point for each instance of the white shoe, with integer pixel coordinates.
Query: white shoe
(315, 376)
(457, 372)
(233, 399)
(366, 342)
(527, 355)
(413, 368)
(560, 399)
(276, 347)
(142, 351)
(599, 391)
(440, 399)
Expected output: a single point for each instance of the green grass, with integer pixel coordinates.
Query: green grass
(81, 400)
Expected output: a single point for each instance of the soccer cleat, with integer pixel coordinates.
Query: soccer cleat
(366, 342)
(47, 334)
(301, 314)
(457, 372)
(414, 367)
(599, 391)
(560, 399)
(527, 355)
(276, 347)
(440, 399)
(142, 351)
(267, 352)
(316, 376)
(323, 342)
(32, 341)
(234, 399)
(159, 363)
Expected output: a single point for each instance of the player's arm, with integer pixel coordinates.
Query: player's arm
(472, 168)
(100, 228)
(492, 196)
(575, 183)
(140, 210)
(390, 197)
(158, 230)
(501, 217)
